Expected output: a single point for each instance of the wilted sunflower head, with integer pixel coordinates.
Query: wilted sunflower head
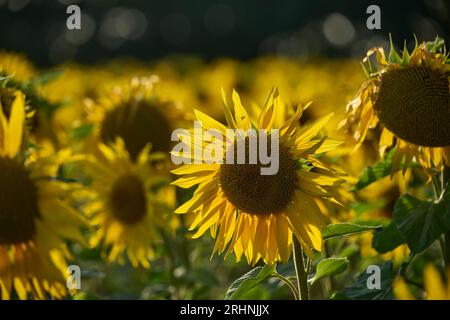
(408, 94)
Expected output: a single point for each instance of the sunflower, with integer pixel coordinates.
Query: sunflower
(16, 65)
(134, 113)
(409, 96)
(257, 215)
(128, 200)
(435, 288)
(33, 218)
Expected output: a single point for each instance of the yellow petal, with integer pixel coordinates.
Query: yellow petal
(16, 124)
(267, 117)
(228, 115)
(433, 284)
(208, 122)
(240, 114)
(309, 131)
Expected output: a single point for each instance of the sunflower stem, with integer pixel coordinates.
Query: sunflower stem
(447, 250)
(302, 276)
(439, 183)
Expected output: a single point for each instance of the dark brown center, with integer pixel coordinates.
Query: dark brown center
(128, 199)
(137, 124)
(414, 104)
(18, 203)
(251, 192)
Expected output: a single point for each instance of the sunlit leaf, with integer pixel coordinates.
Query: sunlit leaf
(344, 229)
(248, 281)
(376, 172)
(330, 267)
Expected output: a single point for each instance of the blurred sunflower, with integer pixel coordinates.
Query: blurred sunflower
(127, 202)
(134, 113)
(16, 65)
(409, 95)
(252, 214)
(33, 218)
(434, 286)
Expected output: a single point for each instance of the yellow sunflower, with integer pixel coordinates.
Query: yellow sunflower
(409, 96)
(252, 214)
(34, 219)
(128, 202)
(16, 65)
(134, 113)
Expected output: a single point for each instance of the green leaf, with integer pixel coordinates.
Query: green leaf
(82, 131)
(376, 172)
(422, 222)
(387, 239)
(330, 267)
(359, 290)
(3, 79)
(344, 229)
(361, 207)
(248, 281)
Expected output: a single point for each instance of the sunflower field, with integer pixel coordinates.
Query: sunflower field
(100, 200)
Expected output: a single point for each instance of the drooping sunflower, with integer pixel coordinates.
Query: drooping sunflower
(409, 95)
(128, 202)
(256, 215)
(34, 219)
(134, 113)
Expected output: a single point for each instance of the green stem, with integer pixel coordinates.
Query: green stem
(439, 184)
(302, 276)
(330, 281)
(288, 283)
(447, 249)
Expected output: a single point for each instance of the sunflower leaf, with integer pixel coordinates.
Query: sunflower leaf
(82, 131)
(364, 289)
(3, 78)
(422, 222)
(376, 172)
(387, 239)
(344, 229)
(330, 267)
(249, 281)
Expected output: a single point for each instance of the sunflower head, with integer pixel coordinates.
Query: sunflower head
(135, 114)
(16, 65)
(128, 201)
(258, 194)
(408, 94)
(34, 221)
(250, 213)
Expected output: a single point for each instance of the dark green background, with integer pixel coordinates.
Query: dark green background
(257, 28)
